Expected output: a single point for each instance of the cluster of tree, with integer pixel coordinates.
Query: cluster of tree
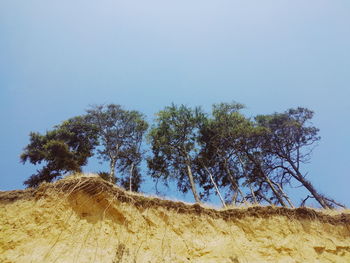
(111, 132)
(238, 158)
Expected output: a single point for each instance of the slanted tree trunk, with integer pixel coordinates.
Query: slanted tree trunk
(235, 186)
(112, 170)
(274, 190)
(234, 197)
(215, 185)
(253, 194)
(268, 181)
(130, 179)
(307, 184)
(193, 186)
(285, 196)
(262, 196)
(314, 193)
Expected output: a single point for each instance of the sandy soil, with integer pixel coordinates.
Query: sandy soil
(85, 219)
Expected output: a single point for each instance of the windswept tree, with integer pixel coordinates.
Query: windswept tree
(120, 133)
(231, 148)
(218, 159)
(261, 176)
(289, 141)
(174, 146)
(65, 148)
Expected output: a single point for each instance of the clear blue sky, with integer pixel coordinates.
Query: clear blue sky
(57, 57)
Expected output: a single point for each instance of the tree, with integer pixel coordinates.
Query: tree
(289, 141)
(218, 157)
(65, 148)
(120, 133)
(174, 146)
(231, 147)
(130, 165)
(259, 167)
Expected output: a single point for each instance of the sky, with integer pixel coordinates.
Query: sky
(59, 57)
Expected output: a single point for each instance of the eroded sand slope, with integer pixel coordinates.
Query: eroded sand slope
(86, 219)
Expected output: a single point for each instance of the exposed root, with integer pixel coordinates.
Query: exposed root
(94, 186)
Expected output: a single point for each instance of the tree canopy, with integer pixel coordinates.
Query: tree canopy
(120, 134)
(241, 159)
(288, 141)
(65, 148)
(173, 140)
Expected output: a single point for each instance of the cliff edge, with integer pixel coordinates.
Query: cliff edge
(86, 219)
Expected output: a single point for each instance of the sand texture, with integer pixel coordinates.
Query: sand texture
(85, 219)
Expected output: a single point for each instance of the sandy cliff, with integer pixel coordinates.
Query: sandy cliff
(85, 219)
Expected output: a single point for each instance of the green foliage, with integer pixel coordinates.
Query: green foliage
(120, 134)
(132, 181)
(174, 146)
(257, 155)
(65, 148)
(288, 142)
(221, 139)
(288, 132)
(249, 159)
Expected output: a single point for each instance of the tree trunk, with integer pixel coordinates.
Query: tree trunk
(277, 194)
(253, 194)
(234, 197)
(267, 180)
(130, 179)
(262, 196)
(309, 186)
(314, 193)
(235, 185)
(193, 186)
(285, 196)
(216, 187)
(112, 170)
